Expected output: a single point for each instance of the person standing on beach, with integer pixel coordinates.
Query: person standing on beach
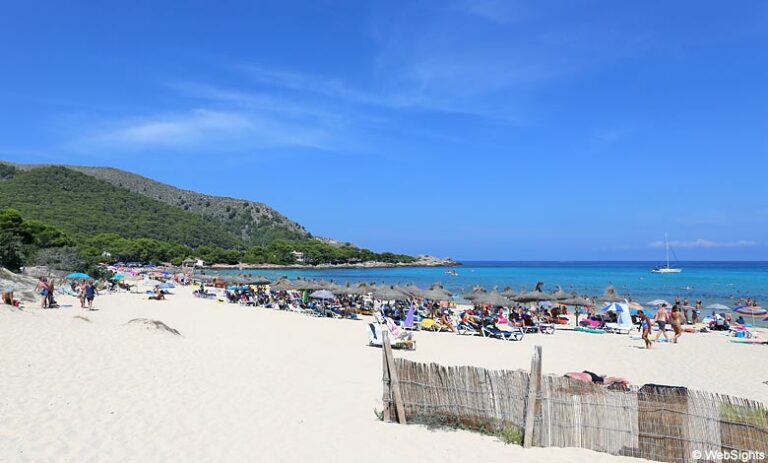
(81, 293)
(645, 325)
(695, 312)
(661, 318)
(90, 293)
(685, 310)
(42, 288)
(676, 320)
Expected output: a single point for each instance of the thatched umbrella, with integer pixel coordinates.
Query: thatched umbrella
(493, 298)
(437, 294)
(389, 293)
(259, 280)
(283, 284)
(509, 292)
(560, 295)
(533, 296)
(476, 291)
(610, 295)
(412, 290)
(577, 300)
(360, 290)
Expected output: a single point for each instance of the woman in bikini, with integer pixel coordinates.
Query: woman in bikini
(645, 324)
(676, 320)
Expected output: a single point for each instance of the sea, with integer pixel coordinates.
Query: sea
(712, 282)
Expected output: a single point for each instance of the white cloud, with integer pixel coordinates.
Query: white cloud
(706, 244)
(203, 129)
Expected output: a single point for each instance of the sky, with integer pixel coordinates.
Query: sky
(488, 129)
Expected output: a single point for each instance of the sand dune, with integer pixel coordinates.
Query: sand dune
(261, 385)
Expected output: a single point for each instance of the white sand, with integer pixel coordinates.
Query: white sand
(244, 384)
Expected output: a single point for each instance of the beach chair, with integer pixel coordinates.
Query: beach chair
(515, 334)
(376, 339)
(616, 328)
(464, 328)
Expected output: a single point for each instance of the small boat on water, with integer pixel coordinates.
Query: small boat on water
(452, 273)
(667, 268)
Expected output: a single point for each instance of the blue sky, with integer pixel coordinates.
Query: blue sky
(478, 129)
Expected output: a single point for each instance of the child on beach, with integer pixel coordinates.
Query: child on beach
(645, 325)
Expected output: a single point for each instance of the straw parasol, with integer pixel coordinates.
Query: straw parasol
(259, 280)
(476, 291)
(657, 302)
(283, 284)
(437, 293)
(577, 300)
(493, 298)
(560, 295)
(533, 296)
(509, 292)
(412, 290)
(389, 293)
(610, 295)
(718, 307)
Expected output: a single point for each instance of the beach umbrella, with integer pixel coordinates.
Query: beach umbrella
(509, 292)
(167, 286)
(148, 282)
(657, 302)
(476, 291)
(259, 281)
(283, 284)
(533, 296)
(118, 277)
(437, 293)
(610, 295)
(78, 276)
(577, 300)
(361, 289)
(413, 291)
(493, 299)
(750, 310)
(560, 295)
(718, 307)
(389, 293)
(617, 307)
(322, 294)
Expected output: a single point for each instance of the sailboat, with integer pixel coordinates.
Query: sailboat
(667, 268)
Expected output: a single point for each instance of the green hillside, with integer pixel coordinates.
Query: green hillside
(85, 206)
(252, 222)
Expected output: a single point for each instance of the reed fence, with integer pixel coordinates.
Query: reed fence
(662, 423)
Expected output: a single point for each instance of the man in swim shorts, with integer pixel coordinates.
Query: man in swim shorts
(676, 319)
(662, 318)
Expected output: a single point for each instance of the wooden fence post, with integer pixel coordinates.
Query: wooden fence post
(534, 388)
(394, 385)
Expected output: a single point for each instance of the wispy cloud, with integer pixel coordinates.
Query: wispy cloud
(706, 244)
(201, 129)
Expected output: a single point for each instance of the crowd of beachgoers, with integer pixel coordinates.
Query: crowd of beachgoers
(400, 310)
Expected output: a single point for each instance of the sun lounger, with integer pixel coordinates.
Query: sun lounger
(618, 329)
(516, 334)
(465, 328)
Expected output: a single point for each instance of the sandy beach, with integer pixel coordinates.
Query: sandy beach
(245, 384)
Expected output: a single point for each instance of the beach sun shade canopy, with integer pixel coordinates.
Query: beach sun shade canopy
(749, 310)
(283, 284)
(413, 291)
(259, 280)
(533, 296)
(508, 292)
(609, 295)
(615, 307)
(389, 293)
(493, 299)
(118, 277)
(322, 294)
(560, 295)
(437, 294)
(78, 276)
(577, 301)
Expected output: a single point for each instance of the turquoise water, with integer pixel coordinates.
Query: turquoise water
(712, 282)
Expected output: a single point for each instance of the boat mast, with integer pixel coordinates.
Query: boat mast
(666, 244)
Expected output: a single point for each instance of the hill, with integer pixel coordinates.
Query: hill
(252, 222)
(84, 206)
